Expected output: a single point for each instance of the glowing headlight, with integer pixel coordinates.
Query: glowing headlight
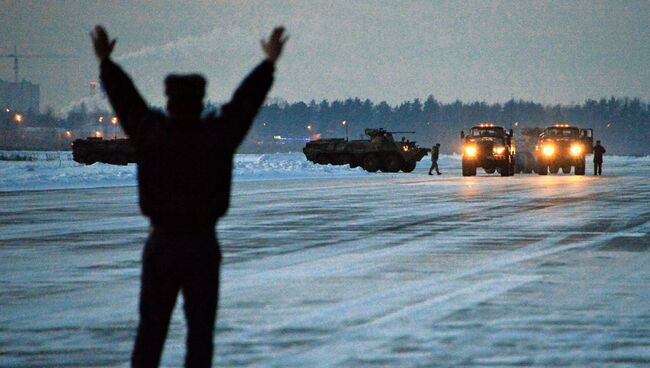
(470, 151)
(548, 150)
(499, 150)
(576, 150)
(405, 148)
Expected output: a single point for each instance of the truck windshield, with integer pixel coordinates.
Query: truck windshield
(567, 133)
(486, 132)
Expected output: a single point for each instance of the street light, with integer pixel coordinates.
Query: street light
(18, 118)
(345, 123)
(114, 122)
(309, 127)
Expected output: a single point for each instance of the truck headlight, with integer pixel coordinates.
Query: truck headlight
(405, 148)
(576, 150)
(498, 150)
(548, 150)
(470, 151)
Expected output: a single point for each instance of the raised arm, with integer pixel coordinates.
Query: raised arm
(129, 106)
(247, 99)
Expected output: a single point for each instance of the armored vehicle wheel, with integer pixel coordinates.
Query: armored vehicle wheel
(320, 159)
(371, 163)
(354, 163)
(528, 170)
(469, 169)
(566, 169)
(554, 169)
(344, 159)
(490, 170)
(408, 166)
(542, 169)
(392, 163)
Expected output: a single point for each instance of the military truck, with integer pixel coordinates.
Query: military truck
(378, 153)
(488, 146)
(525, 161)
(563, 146)
(111, 151)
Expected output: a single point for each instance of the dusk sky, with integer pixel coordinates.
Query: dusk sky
(546, 51)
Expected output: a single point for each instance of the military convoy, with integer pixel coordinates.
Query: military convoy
(487, 146)
(378, 153)
(111, 151)
(490, 147)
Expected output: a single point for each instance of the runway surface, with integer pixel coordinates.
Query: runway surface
(379, 270)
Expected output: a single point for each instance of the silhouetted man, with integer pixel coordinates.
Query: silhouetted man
(435, 153)
(184, 177)
(598, 158)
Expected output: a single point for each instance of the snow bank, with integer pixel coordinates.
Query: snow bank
(32, 170)
(25, 170)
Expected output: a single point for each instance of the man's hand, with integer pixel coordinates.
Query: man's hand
(273, 47)
(103, 45)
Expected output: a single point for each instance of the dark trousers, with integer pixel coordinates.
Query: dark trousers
(598, 168)
(434, 165)
(173, 261)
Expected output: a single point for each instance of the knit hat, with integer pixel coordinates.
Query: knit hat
(185, 86)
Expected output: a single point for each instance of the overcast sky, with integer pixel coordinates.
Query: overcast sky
(550, 52)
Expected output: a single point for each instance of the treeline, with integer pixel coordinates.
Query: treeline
(620, 123)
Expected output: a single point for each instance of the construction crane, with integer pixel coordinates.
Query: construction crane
(15, 55)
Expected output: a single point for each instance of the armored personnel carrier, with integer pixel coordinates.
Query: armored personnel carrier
(111, 151)
(563, 146)
(379, 152)
(490, 147)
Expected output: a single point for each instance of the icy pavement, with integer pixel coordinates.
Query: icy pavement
(402, 270)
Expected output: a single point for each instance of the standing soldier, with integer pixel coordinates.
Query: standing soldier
(435, 153)
(598, 158)
(184, 177)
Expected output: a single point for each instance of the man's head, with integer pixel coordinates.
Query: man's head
(437, 144)
(597, 142)
(185, 94)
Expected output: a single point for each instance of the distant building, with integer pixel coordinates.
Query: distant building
(22, 96)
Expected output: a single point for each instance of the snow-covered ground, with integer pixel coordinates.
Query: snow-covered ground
(327, 266)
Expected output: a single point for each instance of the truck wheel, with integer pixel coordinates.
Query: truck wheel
(566, 169)
(392, 163)
(512, 168)
(469, 169)
(554, 169)
(542, 169)
(580, 169)
(408, 166)
(505, 169)
(371, 163)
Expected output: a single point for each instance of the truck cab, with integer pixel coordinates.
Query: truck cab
(563, 146)
(488, 146)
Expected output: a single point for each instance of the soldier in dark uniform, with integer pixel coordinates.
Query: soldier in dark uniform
(184, 177)
(598, 158)
(435, 153)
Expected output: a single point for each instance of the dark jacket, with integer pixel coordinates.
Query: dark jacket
(598, 153)
(185, 167)
(435, 153)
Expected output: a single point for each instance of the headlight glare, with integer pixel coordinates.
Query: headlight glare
(548, 150)
(576, 150)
